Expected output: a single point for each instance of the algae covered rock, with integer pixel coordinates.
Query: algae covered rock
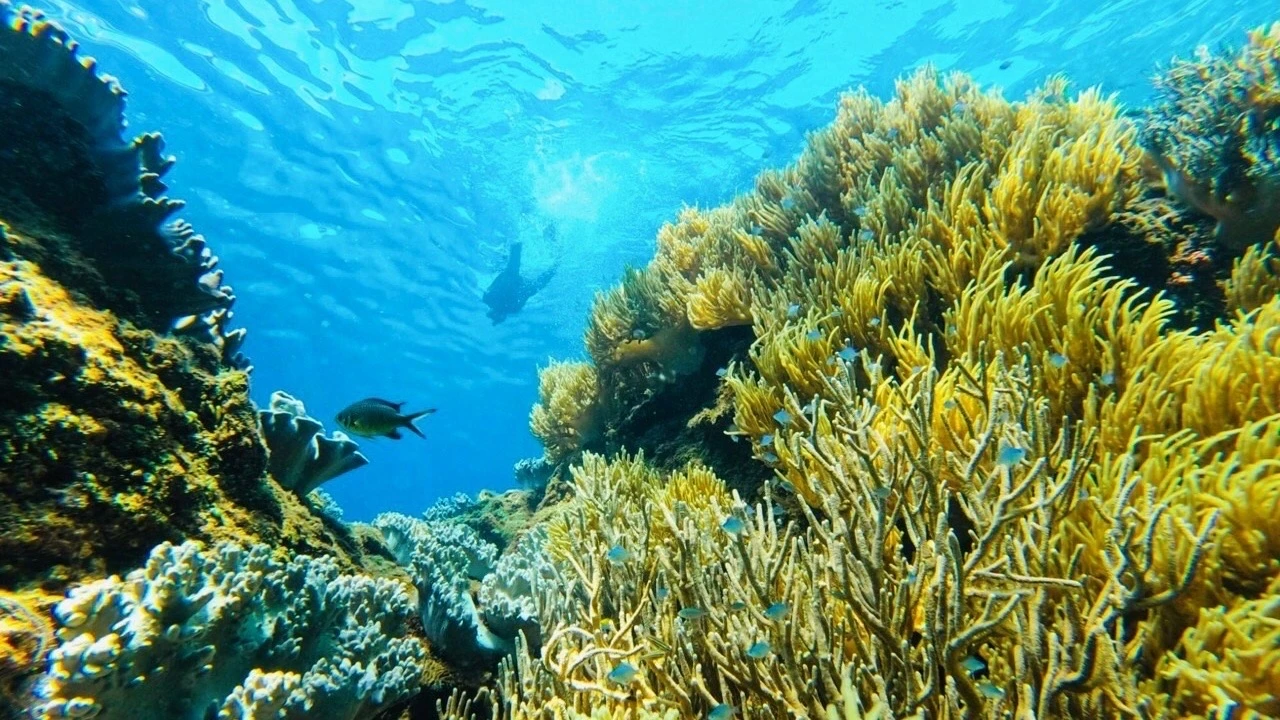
(126, 418)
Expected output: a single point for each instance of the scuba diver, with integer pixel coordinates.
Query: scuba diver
(509, 291)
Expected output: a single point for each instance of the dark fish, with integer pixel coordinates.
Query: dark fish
(508, 292)
(372, 418)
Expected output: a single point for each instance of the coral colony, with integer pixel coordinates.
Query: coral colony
(973, 411)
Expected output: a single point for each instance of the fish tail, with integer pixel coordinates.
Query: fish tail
(408, 421)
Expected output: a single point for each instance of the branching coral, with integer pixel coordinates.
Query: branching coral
(301, 457)
(1007, 485)
(230, 632)
(703, 602)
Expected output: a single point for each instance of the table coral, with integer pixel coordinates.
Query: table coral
(300, 456)
(231, 633)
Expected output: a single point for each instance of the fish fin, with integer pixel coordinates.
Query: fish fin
(408, 421)
(388, 403)
(395, 434)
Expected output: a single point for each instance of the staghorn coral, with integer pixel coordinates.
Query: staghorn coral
(1007, 483)
(785, 620)
(1215, 137)
(300, 456)
(229, 632)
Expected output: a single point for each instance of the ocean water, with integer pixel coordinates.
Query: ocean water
(363, 166)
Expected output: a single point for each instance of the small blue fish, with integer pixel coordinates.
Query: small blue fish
(866, 235)
(721, 712)
(788, 202)
(848, 354)
(623, 674)
(990, 691)
(757, 230)
(733, 525)
(811, 407)
(831, 361)
(793, 311)
(1058, 360)
(692, 613)
(618, 555)
(950, 404)
(769, 458)
(883, 492)
(787, 484)
(874, 322)
(1108, 379)
(662, 593)
(737, 606)
(759, 650)
(860, 211)
(766, 440)
(813, 335)
(1010, 456)
(972, 664)
(960, 107)
(777, 611)
(722, 372)
(782, 417)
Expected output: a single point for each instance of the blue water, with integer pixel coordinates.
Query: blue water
(362, 166)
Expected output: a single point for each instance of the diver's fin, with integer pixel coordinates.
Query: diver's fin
(513, 257)
(408, 421)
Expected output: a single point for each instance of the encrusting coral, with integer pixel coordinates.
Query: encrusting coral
(1013, 478)
(230, 633)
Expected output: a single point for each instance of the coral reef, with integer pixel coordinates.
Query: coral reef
(1215, 137)
(74, 171)
(444, 558)
(301, 457)
(228, 632)
(1013, 476)
(474, 598)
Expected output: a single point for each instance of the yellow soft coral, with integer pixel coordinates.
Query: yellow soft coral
(567, 413)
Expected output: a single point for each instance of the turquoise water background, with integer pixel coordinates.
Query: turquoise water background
(362, 166)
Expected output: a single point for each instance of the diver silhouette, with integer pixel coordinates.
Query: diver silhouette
(509, 291)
